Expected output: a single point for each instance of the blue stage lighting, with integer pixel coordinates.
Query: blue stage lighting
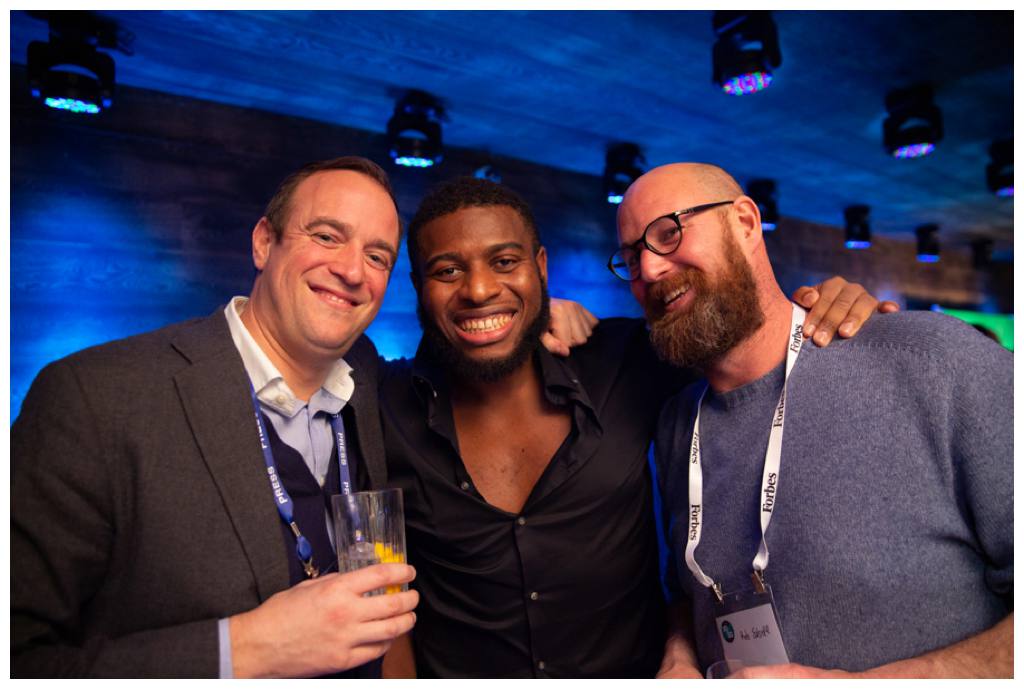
(858, 231)
(764, 195)
(68, 72)
(746, 51)
(623, 163)
(488, 172)
(927, 243)
(913, 151)
(914, 124)
(72, 105)
(414, 130)
(747, 83)
(412, 161)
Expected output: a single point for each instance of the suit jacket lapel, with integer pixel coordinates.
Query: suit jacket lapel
(214, 394)
(362, 357)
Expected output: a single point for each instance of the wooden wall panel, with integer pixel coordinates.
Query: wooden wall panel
(142, 216)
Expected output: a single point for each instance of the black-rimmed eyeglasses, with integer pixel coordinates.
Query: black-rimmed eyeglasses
(662, 236)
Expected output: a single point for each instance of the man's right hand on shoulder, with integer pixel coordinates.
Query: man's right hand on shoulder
(323, 625)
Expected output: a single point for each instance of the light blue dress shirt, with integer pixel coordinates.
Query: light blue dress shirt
(304, 426)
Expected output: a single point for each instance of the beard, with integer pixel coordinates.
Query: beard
(458, 364)
(724, 312)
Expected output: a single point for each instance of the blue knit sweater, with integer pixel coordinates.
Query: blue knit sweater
(892, 533)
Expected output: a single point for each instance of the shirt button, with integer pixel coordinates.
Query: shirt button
(521, 521)
(540, 664)
(465, 485)
(534, 596)
(280, 399)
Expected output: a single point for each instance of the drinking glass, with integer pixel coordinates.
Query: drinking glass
(369, 529)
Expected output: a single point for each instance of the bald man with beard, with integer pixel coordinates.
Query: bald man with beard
(883, 548)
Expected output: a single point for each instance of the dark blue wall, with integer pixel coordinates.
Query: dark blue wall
(141, 217)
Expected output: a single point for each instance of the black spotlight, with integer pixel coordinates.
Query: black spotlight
(981, 253)
(414, 131)
(927, 243)
(763, 193)
(623, 163)
(68, 72)
(914, 124)
(858, 231)
(746, 51)
(999, 172)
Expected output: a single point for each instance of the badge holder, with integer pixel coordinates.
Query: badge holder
(748, 625)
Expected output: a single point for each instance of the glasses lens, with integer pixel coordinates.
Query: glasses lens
(663, 235)
(626, 263)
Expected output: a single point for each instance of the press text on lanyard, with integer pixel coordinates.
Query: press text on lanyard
(281, 498)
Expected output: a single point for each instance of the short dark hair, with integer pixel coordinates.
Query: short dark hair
(466, 192)
(279, 207)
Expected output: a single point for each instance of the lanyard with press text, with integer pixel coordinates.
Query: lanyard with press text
(281, 498)
(769, 478)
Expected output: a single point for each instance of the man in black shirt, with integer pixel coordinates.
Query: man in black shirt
(528, 504)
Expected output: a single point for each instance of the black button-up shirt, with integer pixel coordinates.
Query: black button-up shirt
(569, 586)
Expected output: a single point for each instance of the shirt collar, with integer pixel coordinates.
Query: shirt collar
(427, 376)
(271, 388)
(558, 374)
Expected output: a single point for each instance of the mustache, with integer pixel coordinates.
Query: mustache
(655, 303)
(661, 289)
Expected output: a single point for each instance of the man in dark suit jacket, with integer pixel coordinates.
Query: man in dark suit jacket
(146, 540)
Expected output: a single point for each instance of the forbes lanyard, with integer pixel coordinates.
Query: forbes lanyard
(281, 498)
(769, 478)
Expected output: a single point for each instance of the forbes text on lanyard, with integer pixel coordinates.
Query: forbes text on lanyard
(281, 498)
(769, 478)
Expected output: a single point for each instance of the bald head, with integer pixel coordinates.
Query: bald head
(701, 177)
(679, 186)
(671, 187)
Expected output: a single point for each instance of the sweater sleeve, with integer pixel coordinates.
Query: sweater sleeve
(981, 420)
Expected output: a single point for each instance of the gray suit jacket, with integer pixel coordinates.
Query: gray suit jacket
(141, 512)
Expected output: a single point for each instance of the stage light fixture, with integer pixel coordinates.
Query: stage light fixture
(981, 253)
(414, 130)
(763, 193)
(999, 172)
(914, 124)
(623, 163)
(68, 72)
(858, 231)
(927, 243)
(746, 51)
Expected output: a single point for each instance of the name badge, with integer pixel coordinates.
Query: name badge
(748, 627)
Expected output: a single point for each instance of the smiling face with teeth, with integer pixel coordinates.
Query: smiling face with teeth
(482, 290)
(321, 284)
